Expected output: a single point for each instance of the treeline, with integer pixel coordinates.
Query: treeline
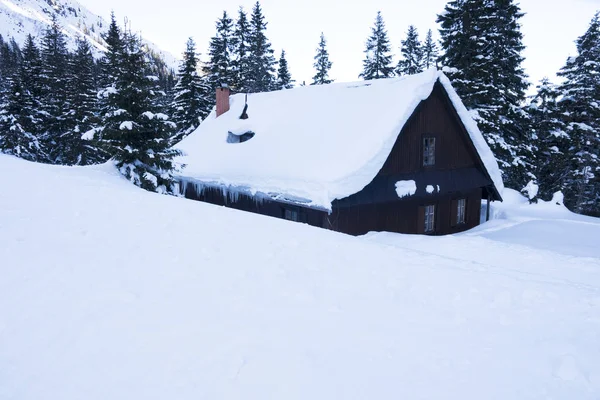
(63, 107)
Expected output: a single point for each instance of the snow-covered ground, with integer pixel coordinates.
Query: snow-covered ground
(110, 292)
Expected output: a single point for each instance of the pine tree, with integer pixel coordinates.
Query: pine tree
(261, 60)
(580, 105)
(322, 64)
(219, 68)
(284, 77)
(430, 51)
(191, 101)
(241, 53)
(134, 132)
(552, 150)
(412, 54)
(482, 46)
(16, 124)
(54, 99)
(378, 60)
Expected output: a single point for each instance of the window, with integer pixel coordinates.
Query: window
(428, 151)
(429, 218)
(291, 215)
(461, 211)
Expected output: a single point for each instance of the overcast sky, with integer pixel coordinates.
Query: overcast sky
(550, 27)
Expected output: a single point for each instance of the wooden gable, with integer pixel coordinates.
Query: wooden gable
(434, 117)
(458, 173)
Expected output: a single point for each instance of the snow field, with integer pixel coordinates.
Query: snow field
(108, 291)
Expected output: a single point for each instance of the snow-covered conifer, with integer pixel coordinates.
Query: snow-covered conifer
(83, 115)
(551, 143)
(191, 99)
(284, 77)
(580, 105)
(322, 64)
(219, 67)
(55, 102)
(430, 51)
(109, 63)
(378, 59)
(17, 120)
(411, 61)
(135, 133)
(261, 73)
(241, 52)
(482, 54)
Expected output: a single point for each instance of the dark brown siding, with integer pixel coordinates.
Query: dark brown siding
(433, 118)
(406, 215)
(457, 170)
(253, 204)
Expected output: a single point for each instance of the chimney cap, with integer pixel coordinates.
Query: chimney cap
(223, 85)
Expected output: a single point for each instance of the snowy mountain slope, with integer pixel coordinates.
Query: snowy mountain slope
(109, 292)
(18, 18)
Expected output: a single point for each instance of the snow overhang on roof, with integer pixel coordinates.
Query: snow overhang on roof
(320, 143)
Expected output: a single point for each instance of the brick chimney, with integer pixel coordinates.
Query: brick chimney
(222, 99)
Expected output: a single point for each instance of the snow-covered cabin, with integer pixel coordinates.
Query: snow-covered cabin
(399, 155)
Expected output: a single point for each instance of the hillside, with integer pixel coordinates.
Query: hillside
(110, 292)
(18, 18)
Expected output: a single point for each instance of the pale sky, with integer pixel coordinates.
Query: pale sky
(550, 27)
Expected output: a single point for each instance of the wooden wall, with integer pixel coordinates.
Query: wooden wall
(254, 204)
(403, 215)
(455, 157)
(433, 118)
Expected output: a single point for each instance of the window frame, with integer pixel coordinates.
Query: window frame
(429, 218)
(428, 151)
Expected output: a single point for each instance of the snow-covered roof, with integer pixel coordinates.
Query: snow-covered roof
(315, 144)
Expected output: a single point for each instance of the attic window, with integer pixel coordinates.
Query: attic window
(428, 151)
(231, 138)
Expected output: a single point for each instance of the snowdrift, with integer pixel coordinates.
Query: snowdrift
(110, 292)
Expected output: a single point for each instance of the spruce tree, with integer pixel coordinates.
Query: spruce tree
(430, 51)
(83, 116)
(8, 63)
(552, 144)
(482, 46)
(284, 77)
(219, 68)
(135, 133)
(378, 60)
(31, 70)
(322, 64)
(191, 100)
(109, 67)
(241, 53)
(10, 58)
(54, 100)
(412, 54)
(17, 120)
(261, 73)
(580, 94)
(109, 63)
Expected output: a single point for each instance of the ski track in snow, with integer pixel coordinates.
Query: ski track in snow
(110, 292)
